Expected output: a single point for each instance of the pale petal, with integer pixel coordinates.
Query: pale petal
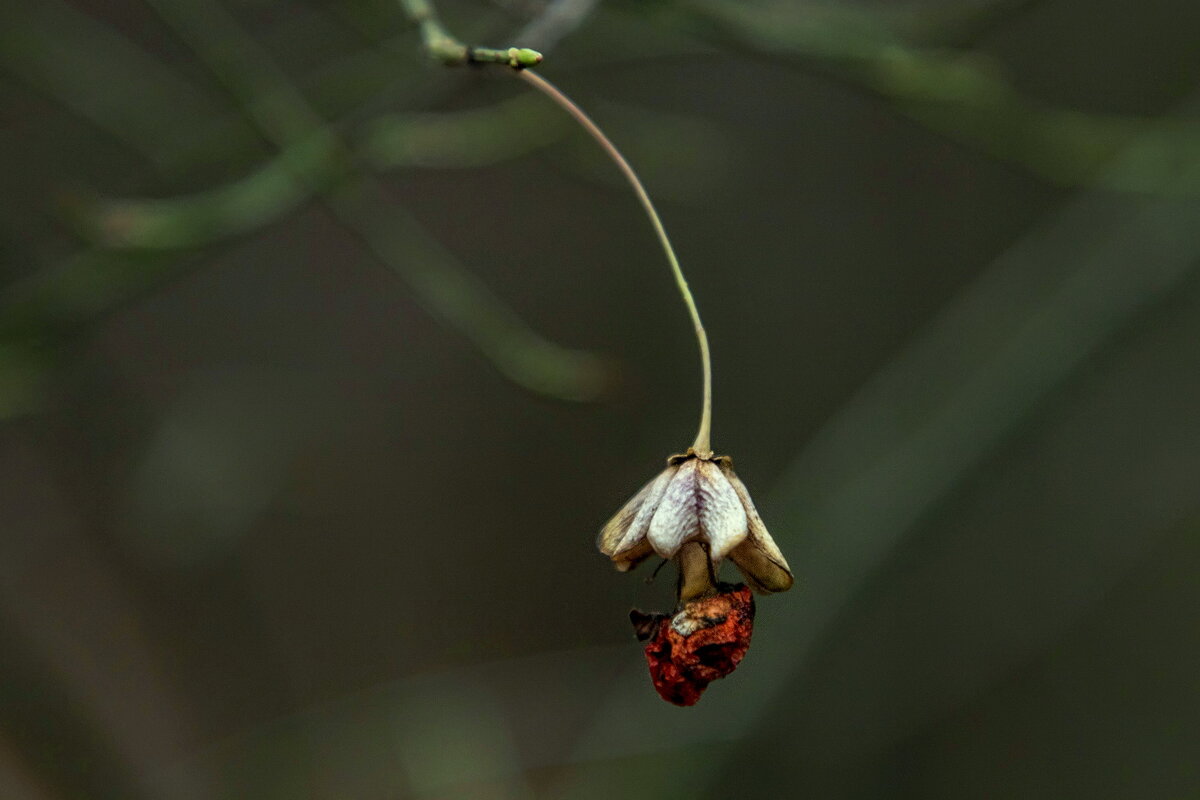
(723, 519)
(763, 573)
(675, 521)
(641, 522)
(623, 538)
(633, 555)
(758, 558)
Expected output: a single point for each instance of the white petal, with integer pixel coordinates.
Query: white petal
(676, 520)
(758, 558)
(722, 516)
(627, 529)
(641, 522)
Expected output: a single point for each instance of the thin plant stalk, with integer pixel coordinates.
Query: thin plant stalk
(702, 445)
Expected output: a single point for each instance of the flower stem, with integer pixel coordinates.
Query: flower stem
(702, 445)
(696, 577)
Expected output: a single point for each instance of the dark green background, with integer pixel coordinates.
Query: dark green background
(274, 525)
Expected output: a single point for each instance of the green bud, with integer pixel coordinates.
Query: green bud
(523, 57)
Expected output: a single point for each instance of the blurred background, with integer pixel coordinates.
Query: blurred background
(321, 364)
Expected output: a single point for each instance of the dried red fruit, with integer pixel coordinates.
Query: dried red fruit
(705, 640)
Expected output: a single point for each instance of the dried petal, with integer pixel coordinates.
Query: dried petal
(675, 521)
(723, 519)
(758, 558)
(623, 539)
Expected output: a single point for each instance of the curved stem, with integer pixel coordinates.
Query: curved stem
(702, 445)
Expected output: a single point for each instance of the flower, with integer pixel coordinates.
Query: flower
(700, 499)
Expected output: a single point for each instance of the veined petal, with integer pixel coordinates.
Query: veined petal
(757, 557)
(641, 522)
(723, 520)
(623, 538)
(765, 574)
(675, 521)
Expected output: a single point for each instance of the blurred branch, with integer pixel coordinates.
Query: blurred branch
(94, 72)
(961, 94)
(462, 139)
(462, 301)
(458, 139)
(964, 25)
(312, 160)
(245, 205)
(443, 286)
(450, 51)
(447, 140)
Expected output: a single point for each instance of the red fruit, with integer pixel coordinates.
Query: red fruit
(703, 641)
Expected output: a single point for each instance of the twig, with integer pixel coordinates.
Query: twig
(449, 50)
(463, 139)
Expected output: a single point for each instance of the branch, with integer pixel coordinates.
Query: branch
(312, 161)
(361, 205)
(449, 50)
(962, 94)
(454, 139)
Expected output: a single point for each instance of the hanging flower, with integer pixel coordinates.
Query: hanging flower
(696, 513)
(697, 499)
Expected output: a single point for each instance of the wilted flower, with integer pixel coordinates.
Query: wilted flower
(696, 513)
(696, 499)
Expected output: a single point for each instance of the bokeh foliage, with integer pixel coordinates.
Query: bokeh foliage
(282, 523)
